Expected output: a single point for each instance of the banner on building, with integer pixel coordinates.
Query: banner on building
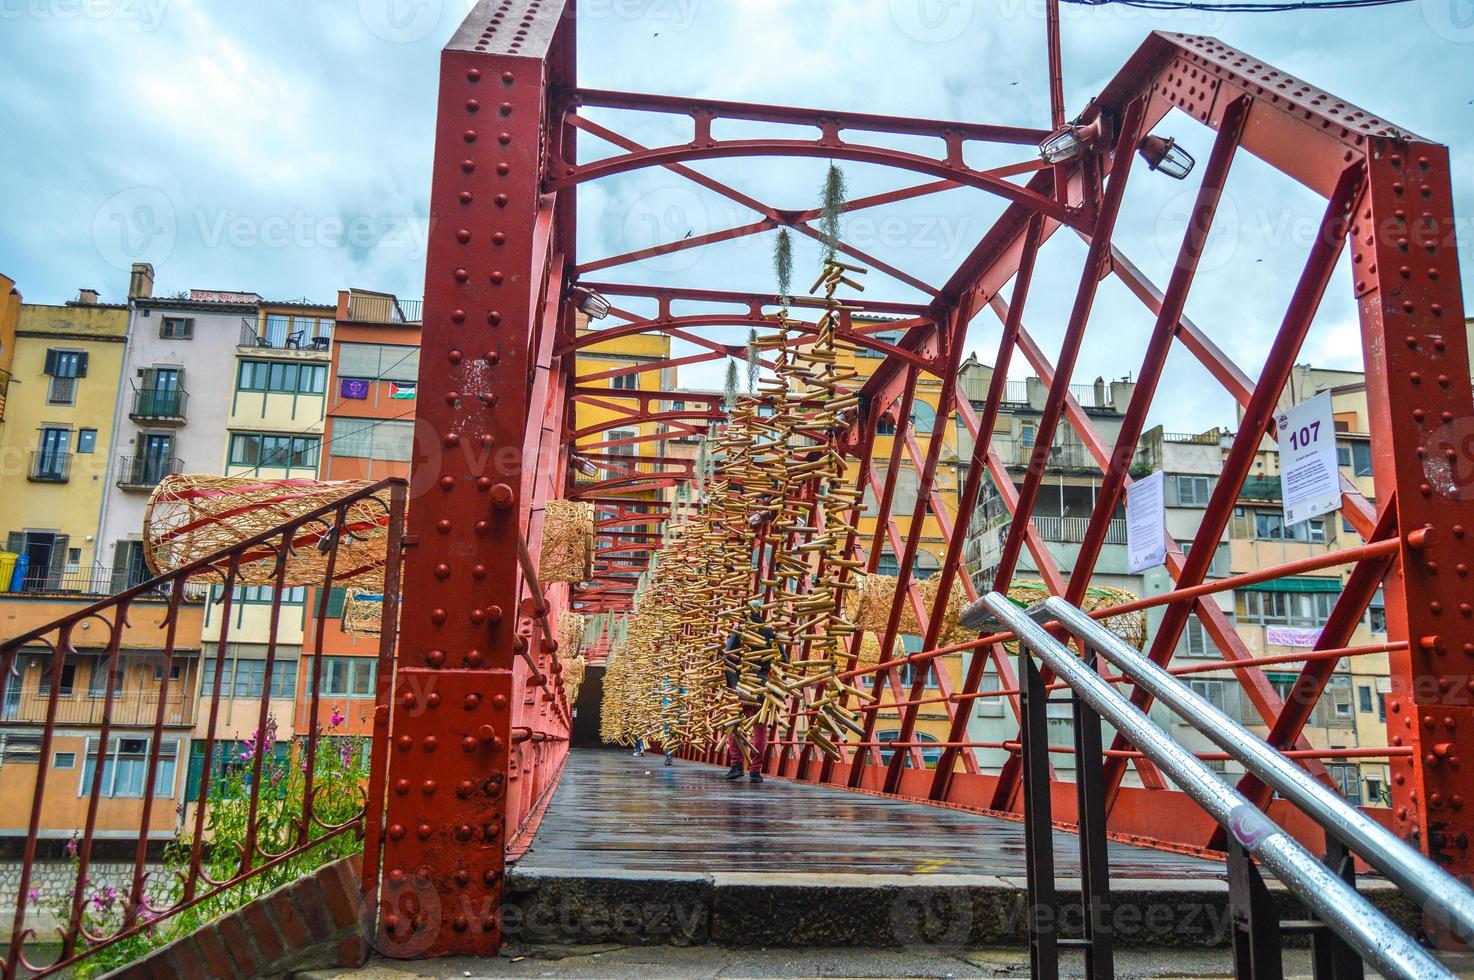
(401, 390)
(1310, 482)
(1146, 523)
(1291, 636)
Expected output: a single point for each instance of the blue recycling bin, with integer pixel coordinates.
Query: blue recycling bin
(18, 577)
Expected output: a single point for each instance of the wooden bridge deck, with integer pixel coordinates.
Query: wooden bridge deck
(616, 813)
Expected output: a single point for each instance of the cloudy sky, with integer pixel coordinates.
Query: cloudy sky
(283, 147)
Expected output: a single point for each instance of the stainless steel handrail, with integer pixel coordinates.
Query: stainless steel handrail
(1333, 901)
(1405, 866)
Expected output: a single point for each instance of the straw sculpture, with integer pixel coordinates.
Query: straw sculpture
(363, 613)
(190, 517)
(568, 542)
(1129, 626)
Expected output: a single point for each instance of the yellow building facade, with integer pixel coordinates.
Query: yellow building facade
(55, 444)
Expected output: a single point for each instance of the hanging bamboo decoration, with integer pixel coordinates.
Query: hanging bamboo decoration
(1130, 626)
(363, 613)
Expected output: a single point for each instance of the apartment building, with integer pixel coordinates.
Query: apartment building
(68, 362)
(368, 434)
(10, 303)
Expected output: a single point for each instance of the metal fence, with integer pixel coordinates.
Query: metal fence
(289, 801)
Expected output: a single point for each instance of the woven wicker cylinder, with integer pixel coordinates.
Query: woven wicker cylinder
(568, 542)
(570, 635)
(1129, 626)
(191, 517)
(869, 606)
(363, 613)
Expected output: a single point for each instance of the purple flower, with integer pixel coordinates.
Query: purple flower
(345, 753)
(72, 847)
(336, 719)
(33, 895)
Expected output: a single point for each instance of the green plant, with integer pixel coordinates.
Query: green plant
(339, 775)
(832, 206)
(783, 264)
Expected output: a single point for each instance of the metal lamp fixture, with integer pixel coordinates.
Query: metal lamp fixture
(1070, 140)
(590, 302)
(1162, 154)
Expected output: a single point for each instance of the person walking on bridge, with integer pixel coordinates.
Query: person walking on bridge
(735, 665)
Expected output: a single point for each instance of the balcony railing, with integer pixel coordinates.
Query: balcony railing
(159, 405)
(1067, 456)
(95, 581)
(379, 308)
(281, 336)
(1071, 530)
(48, 466)
(146, 472)
(82, 707)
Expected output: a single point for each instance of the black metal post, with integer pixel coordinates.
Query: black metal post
(1331, 957)
(1095, 889)
(1042, 913)
(1256, 921)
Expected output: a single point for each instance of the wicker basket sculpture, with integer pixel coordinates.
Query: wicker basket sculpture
(570, 635)
(1129, 626)
(363, 613)
(568, 542)
(190, 517)
(870, 605)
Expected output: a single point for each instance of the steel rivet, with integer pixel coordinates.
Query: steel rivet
(463, 235)
(496, 277)
(401, 786)
(451, 441)
(506, 108)
(508, 78)
(478, 616)
(501, 496)
(469, 136)
(502, 200)
(454, 356)
(504, 138)
(473, 75)
(438, 617)
(467, 197)
(435, 658)
(473, 701)
(468, 166)
(499, 702)
(443, 526)
(483, 527)
(472, 105)
(473, 658)
(494, 613)
(478, 572)
(447, 483)
(492, 357)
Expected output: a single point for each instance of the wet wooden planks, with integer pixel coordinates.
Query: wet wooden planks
(614, 812)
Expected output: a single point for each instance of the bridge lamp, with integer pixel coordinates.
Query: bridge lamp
(585, 466)
(590, 302)
(1163, 155)
(1070, 140)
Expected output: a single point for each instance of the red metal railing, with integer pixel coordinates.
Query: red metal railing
(251, 810)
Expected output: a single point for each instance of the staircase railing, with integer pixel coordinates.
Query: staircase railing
(1347, 928)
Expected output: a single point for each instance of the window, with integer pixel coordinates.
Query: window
(1195, 642)
(383, 362)
(53, 454)
(1270, 524)
(625, 382)
(351, 677)
(225, 756)
(1374, 791)
(1377, 613)
(1348, 778)
(86, 440)
(125, 767)
(373, 439)
(176, 328)
(68, 678)
(97, 680)
(1364, 699)
(175, 672)
(63, 760)
(261, 595)
(247, 678)
(283, 376)
(64, 367)
(1209, 690)
(1193, 491)
(1356, 455)
(928, 756)
(259, 449)
(1284, 608)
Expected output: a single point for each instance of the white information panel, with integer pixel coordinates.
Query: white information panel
(1310, 482)
(1146, 523)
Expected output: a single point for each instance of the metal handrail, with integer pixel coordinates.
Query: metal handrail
(1337, 904)
(1405, 866)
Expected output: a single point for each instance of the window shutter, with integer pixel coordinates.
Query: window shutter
(51, 355)
(336, 600)
(82, 365)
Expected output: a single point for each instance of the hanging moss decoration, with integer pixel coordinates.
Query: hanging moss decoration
(830, 210)
(754, 362)
(783, 263)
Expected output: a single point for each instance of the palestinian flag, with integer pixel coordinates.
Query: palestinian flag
(397, 390)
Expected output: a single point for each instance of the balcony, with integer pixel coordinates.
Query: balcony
(1068, 456)
(277, 336)
(383, 308)
(48, 466)
(1071, 530)
(146, 472)
(81, 707)
(159, 406)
